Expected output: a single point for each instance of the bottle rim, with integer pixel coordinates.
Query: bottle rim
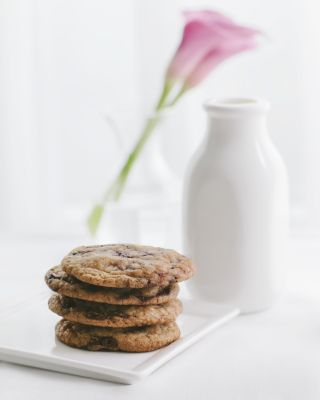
(236, 105)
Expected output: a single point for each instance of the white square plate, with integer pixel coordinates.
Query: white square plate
(27, 337)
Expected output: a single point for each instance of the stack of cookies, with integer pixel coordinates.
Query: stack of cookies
(118, 297)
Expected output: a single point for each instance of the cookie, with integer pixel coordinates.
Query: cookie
(141, 339)
(67, 285)
(127, 265)
(115, 316)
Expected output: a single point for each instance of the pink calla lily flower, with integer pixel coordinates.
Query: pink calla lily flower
(208, 39)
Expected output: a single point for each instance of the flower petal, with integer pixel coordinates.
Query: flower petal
(198, 39)
(205, 32)
(214, 58)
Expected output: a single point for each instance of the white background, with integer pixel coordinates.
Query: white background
(63, 63)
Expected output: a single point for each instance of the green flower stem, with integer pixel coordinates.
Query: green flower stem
(119, 183)
(124, 173)
(115, 190)
(168, 85)
(180, 93)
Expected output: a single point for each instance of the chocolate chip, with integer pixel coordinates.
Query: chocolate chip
(107, 341)
(136, 328)
(52, 275)
(104, 313)
(69, 279)
(67, 302)
(94, 315)
(121, 253)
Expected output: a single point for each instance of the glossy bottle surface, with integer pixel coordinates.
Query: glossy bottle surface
(236, 209)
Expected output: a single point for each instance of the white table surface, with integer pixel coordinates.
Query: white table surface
(271, 355)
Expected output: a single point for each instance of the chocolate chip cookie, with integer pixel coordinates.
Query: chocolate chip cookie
(59, 281)
(141, 339)
(115, 316)
(127, 266)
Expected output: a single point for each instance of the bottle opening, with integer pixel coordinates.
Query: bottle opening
(237, 101)
(236, 106)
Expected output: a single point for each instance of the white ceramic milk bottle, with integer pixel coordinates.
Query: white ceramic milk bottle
(236, 209)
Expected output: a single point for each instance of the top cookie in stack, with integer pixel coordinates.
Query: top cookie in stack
(108, 291)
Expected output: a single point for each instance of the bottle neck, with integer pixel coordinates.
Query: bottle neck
(236, 120)
(225, 130)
